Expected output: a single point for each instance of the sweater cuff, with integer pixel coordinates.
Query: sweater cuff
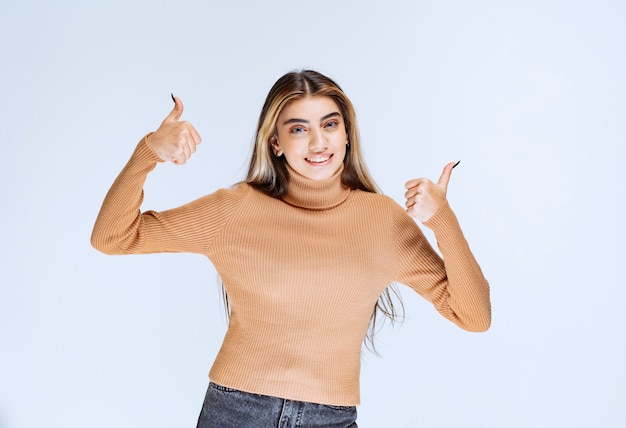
(443, 219)
(144, 153)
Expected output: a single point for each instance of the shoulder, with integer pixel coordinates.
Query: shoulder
(222, 200)
(378, 204)
(237, 190)
(376, 199)
(244, 194)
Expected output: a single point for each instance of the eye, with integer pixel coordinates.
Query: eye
(331, 124)
(297, 130)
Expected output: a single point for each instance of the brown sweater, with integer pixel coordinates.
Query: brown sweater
(303, 274)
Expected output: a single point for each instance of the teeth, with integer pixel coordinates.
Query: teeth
(318, 160)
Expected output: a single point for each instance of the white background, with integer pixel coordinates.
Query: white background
(530, 95)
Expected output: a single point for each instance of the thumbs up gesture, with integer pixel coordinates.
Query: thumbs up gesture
(175, 140)
(423, 197)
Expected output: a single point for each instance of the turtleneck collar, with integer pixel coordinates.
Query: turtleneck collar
(311, 194)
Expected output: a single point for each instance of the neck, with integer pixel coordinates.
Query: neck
(315, 194)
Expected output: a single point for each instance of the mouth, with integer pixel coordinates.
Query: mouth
(319, 160)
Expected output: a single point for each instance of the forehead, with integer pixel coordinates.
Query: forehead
(309, 108)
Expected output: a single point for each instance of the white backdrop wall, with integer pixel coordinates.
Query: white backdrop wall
(530, 95)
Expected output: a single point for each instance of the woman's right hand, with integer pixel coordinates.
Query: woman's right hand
(175, 140)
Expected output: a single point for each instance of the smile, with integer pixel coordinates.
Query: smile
(319, 159)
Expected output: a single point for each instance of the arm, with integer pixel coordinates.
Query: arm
(455, 285)
(120, 227)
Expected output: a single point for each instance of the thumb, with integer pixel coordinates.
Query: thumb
(445, 175)
(176, 112)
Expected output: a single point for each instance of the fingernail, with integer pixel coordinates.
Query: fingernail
(454, 166)
(173, 99)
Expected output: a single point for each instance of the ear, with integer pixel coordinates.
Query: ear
(278, 151)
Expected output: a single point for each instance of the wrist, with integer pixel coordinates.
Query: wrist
(146, 142)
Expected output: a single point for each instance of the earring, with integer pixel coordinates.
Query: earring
(348, 143)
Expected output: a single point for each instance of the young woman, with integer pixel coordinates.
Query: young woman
(305, 247)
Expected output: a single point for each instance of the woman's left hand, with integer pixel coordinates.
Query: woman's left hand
(424, 198)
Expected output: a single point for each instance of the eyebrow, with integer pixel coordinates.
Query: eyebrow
(323, 118)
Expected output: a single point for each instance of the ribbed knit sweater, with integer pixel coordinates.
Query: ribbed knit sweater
(303, 274)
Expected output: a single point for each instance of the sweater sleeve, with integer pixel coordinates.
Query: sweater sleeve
(121, 227)
(455, 285)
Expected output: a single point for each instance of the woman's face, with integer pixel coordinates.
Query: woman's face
(312, 136)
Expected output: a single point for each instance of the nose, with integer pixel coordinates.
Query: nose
(318, 142)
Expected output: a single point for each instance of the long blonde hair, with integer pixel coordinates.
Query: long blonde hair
(269, 174)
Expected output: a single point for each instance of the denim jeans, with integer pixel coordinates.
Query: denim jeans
(230, 408)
